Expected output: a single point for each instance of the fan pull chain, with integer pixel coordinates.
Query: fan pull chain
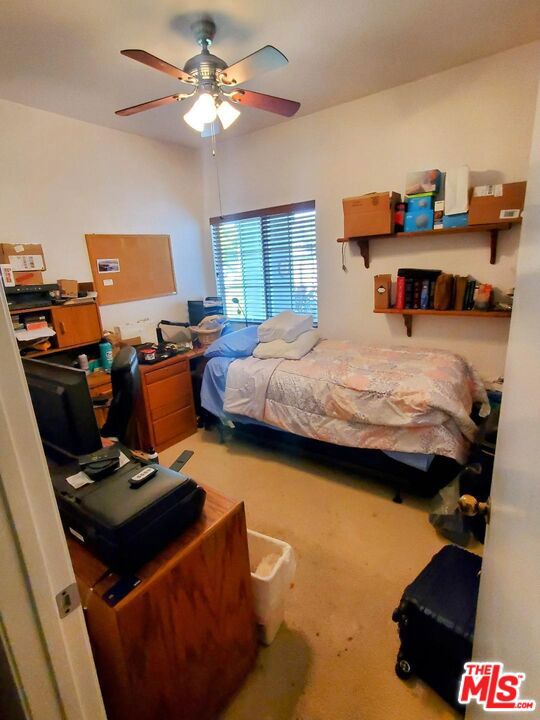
(214, 155)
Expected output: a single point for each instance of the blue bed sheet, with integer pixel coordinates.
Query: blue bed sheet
(213, 399)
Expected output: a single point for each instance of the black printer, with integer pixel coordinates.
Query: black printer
(125, 526)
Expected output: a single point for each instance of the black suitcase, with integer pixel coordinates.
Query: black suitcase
(124, 526)
(436, 619)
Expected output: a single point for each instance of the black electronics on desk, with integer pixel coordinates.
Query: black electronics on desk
(199, 309)
(22, 297)
(123, 522)
(125, 525)
(63, 409)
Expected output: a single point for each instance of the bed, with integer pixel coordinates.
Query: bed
(412, 405)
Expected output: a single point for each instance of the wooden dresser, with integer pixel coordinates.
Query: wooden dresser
(167, 413)
(180, 644)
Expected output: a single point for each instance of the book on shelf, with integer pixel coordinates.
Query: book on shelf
(415, 290)
(460, 287)
(400, 293)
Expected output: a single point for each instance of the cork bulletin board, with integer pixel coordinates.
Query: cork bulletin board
(131, 267)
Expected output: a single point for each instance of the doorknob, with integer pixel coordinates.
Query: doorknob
(470, 506)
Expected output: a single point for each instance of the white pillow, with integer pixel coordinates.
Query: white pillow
(287, 326)
(288, 350)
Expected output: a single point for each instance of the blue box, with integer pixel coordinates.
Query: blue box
(456, 221)
(419, 220)
(420, 203)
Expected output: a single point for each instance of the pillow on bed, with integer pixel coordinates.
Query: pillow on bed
(287, 325)
(288, 350)
(237, 344)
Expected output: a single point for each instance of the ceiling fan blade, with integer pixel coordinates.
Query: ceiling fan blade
(266, 59)
(154, 62)
(277, 105)
(211, 129)
(148, 105)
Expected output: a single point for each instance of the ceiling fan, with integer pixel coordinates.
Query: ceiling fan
(215, 83)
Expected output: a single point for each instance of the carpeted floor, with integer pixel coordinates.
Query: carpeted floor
(356, 550)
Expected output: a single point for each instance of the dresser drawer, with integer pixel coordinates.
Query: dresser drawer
(174, 426)
(166, 396)
(180, 367)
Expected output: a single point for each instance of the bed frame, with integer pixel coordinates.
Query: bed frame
(372, 463)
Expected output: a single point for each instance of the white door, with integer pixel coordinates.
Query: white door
(508, 621)
(47, 660)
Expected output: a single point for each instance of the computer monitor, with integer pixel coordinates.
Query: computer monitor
(63, 408)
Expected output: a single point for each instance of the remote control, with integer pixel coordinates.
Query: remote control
(142, 476)
(181, 460)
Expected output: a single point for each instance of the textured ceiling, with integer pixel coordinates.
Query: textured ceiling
(64, 55)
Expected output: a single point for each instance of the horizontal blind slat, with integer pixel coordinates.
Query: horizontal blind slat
(268, 262)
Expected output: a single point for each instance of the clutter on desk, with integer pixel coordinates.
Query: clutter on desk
(209, 329)
(199, 309)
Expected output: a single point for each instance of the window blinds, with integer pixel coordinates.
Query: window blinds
(267, 260)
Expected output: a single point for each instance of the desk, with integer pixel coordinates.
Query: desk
(167, 409)
(180, 644)
(166, 412)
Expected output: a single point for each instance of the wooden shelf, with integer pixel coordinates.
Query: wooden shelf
(408, 314)
(53, 350)
(493, 230)
(29, 310)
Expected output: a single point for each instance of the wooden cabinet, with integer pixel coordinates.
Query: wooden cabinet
(76, 324)
(180, 644)
(167, 408)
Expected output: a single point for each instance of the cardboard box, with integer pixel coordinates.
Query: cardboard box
(419, 202)
(28, 278)
(23, 257)
(455, 221)
(383, 288)
(68, 288)
(371, 214)
(423, 181)
(27, 262)
(419, 220)
(503, 205)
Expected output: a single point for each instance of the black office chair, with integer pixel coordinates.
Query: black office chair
(126, 383)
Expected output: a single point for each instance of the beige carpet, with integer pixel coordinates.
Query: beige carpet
(334, 657)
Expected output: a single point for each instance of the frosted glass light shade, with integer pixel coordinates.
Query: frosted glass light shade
(203, 112)
(227, 114)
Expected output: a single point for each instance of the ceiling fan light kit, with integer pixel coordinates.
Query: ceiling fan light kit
(215, 83)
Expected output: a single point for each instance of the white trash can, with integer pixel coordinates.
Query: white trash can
(272, 566)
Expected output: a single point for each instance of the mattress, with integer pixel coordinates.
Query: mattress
(213, 397)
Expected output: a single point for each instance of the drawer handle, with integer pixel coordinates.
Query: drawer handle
(62, 327)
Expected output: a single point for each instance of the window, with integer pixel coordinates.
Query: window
(267, 260)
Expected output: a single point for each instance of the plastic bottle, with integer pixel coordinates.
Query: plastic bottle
(106, 354)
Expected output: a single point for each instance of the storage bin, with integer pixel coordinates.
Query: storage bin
(271, 582)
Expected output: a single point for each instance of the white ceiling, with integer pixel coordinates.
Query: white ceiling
(64, 55)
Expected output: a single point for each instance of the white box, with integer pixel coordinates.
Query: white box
(270, 589)
(456, 191)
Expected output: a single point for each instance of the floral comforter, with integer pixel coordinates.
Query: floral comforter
(392, 399)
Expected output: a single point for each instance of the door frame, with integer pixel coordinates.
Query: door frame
(50, 657)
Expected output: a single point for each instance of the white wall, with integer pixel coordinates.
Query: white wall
(62, 178)
(478, 114)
